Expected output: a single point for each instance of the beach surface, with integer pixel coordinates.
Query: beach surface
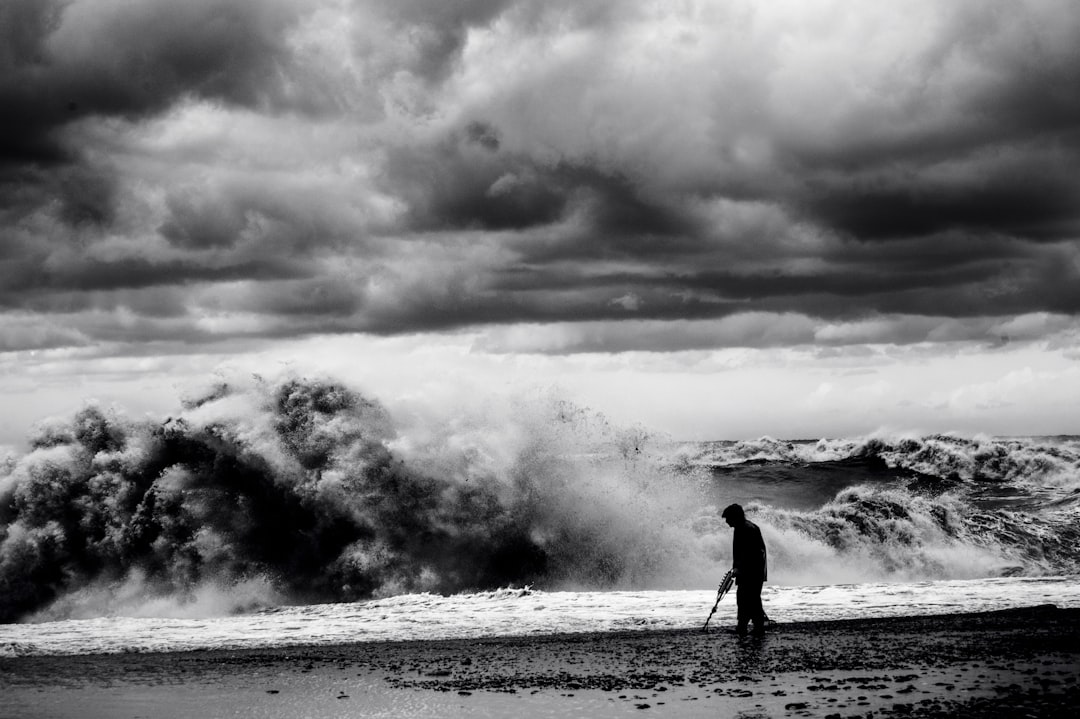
(1018, 662)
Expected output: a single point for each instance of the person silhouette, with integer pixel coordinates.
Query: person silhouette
(750, 566)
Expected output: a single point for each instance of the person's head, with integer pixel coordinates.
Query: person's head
(734, 515)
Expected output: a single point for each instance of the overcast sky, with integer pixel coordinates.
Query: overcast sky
(715, 218)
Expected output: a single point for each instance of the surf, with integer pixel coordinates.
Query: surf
(298, 491)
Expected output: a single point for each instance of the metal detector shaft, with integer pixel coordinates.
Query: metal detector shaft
(725, 586)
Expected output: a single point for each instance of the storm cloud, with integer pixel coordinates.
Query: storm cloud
(620, 176)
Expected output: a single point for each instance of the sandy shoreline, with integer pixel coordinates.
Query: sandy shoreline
(1011, 663)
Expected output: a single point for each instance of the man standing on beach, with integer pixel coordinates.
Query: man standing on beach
(748, 553)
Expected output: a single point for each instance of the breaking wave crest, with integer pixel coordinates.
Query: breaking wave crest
(262, 493)
(1037, 462)
(897, 534)
(305, 488)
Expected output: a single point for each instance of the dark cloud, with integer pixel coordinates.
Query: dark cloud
(482, 134)
(439, 30)
(72, 60)
(201, 222)
(1031, 200)
(36, 282)
(24, 27)
(992, 151)
(86, 196)
(25, 24)
(619, 211)
(463, 183)
(421, 165)
(1032, 50)
(324, 297)
(75, 194)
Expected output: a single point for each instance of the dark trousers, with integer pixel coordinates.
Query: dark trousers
(748, 597)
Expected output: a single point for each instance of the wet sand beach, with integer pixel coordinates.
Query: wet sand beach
(1021, 662)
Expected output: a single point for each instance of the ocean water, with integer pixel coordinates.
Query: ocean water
(521, 612)
(301, 512)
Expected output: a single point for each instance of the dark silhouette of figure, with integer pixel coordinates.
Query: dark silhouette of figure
(748, 552)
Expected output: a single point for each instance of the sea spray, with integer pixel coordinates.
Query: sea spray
(259, 493)
(137, 596)
(295, 486)
(867, 534)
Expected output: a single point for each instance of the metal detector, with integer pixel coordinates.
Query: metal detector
(725, 585)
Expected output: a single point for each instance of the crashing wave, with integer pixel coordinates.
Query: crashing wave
(305, 488)
(302, 491)
(892, 533)
(1039, 461)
